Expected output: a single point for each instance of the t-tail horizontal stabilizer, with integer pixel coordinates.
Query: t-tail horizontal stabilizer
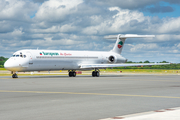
(121, 40)
(128, 36)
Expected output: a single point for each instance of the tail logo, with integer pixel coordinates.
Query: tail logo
(120, 44)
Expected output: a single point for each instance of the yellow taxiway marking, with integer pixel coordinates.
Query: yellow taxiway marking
(76, 93)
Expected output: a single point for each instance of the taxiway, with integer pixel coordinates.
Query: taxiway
(86, 97)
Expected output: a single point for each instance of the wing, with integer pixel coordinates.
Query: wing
(100, 66)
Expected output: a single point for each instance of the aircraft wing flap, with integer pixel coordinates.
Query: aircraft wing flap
(118, 65)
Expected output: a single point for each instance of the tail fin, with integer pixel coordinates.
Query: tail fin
(121, 40)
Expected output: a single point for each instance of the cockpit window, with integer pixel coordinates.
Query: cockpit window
(21, 55)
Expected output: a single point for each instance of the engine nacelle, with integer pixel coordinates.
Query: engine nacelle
(112, 59)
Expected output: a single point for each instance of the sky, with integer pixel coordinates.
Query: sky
(82, 25)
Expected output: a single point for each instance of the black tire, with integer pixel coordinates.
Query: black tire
(74, 74)
(14, 76)
(93, 74)
(97, 74)
(70, 74)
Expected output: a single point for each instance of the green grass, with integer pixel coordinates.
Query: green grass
(2, 69)
(5, 75)
(143, 71)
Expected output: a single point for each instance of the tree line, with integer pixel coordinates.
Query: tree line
(2, 61)
(169, 66)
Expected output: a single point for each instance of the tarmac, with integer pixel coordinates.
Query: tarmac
(108, 97)
(164, 114)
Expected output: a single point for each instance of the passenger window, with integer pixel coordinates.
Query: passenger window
(14, 55)
(17, 55)
(24, 56)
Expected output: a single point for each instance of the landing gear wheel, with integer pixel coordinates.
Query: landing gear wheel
(14, 76)
(72, 74)
(95, 73)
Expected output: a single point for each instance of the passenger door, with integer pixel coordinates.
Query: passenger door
(30, 58)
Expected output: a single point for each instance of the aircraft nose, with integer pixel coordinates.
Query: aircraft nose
(13, 65)
(9, 65)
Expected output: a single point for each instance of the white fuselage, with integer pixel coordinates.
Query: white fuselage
(47, 60)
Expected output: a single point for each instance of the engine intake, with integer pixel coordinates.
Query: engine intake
(112, 59)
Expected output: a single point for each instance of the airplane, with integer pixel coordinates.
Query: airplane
(48, 60)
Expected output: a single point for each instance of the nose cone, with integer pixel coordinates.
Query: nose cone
(8, 65)
(15, 65)
(11, 65)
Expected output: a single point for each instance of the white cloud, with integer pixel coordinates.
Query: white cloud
(57, 29)
(50, 42)
(142, 47)
(56, 10)
(178, 45)
(17, 9)
(68, 28)
(123, 21)
(175, 51)
(17, 32)
(126, 4)
(128, 21)
(171, 25)
(167, 37)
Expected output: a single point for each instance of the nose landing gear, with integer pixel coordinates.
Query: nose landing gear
(14, 75)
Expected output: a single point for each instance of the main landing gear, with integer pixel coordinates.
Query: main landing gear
(95, 73)
(14, 75)
(72, 74)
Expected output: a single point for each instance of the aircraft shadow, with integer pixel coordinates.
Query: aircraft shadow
(65, 76)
